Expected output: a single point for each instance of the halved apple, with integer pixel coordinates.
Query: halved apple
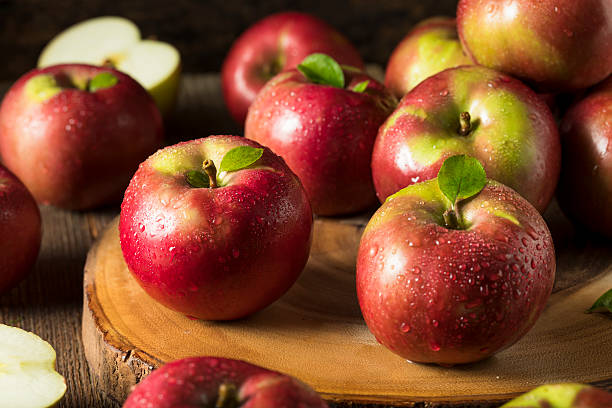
(27, 370)
(117, 41)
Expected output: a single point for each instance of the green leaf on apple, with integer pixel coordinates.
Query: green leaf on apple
(102, 81)
(239, 158)
(322, 69)
(361, 86)
(197, 179)
(461, 177)
(603, 303)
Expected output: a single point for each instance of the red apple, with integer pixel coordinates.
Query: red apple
(220, 252)
(585, 186)
(435, 292)
(562, 396)
(75, 134)
(277, 43)
(470, 110)
(19, 228)
(325, 133)
(218, 382)
(558, 45)
(432, 46)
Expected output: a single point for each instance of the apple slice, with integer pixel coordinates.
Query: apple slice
(27, 370)
(117, 41)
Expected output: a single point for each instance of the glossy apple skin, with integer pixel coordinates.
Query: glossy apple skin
(430, 47)
(562, 396)
(277, 43)
(557, 45)
(215, 254)
(20, 230)
(437, 295)
(194, 382)
(514, 134)
(585, 186)
(78, 149)
(325, 134)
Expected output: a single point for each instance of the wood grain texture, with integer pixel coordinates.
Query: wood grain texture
(315, 332)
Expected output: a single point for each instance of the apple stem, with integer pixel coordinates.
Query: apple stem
(227, 397)
(211, 171)
(108, 63)
(450, 219)
(464, 123)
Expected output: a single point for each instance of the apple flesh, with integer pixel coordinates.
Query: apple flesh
(562, 396)
(325, 134)
(220, 383)
(449, 296)
(117, 42)
(509, 129)
(215, 253)
(27, 370)
(74, 146)
(557, 45)
(278, 42)
(19, 220)
(585, 186)
(430, 47)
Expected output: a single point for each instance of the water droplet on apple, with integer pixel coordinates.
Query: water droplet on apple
(141, 227)
(404, 328)
(434, 346)
(444, 92)
(435, 323)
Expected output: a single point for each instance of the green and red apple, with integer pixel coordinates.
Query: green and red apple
(585, 185)
(476, 111)
(430, 47)
(75, 134)
(220, 383)
(450, 274)
(27, 370)
(117, 42)
(216, 228)
(556, 45)
(322, 119)
(20, 230)
(277, 43)
(562, 396)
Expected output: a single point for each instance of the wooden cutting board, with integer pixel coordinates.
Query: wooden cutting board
(316, 333)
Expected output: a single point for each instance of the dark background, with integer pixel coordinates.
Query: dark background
(204, 30)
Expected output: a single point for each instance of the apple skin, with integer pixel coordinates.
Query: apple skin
(325, 134)
(215, 253)
(562, 396)
(274, 44)
(437, 295)
(20, 227)
(514, 134)
(557, 45)
(193, 382)
(585, 185)
(430, 47)
(78, 149)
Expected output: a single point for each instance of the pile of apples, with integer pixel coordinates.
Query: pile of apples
(458, 146)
